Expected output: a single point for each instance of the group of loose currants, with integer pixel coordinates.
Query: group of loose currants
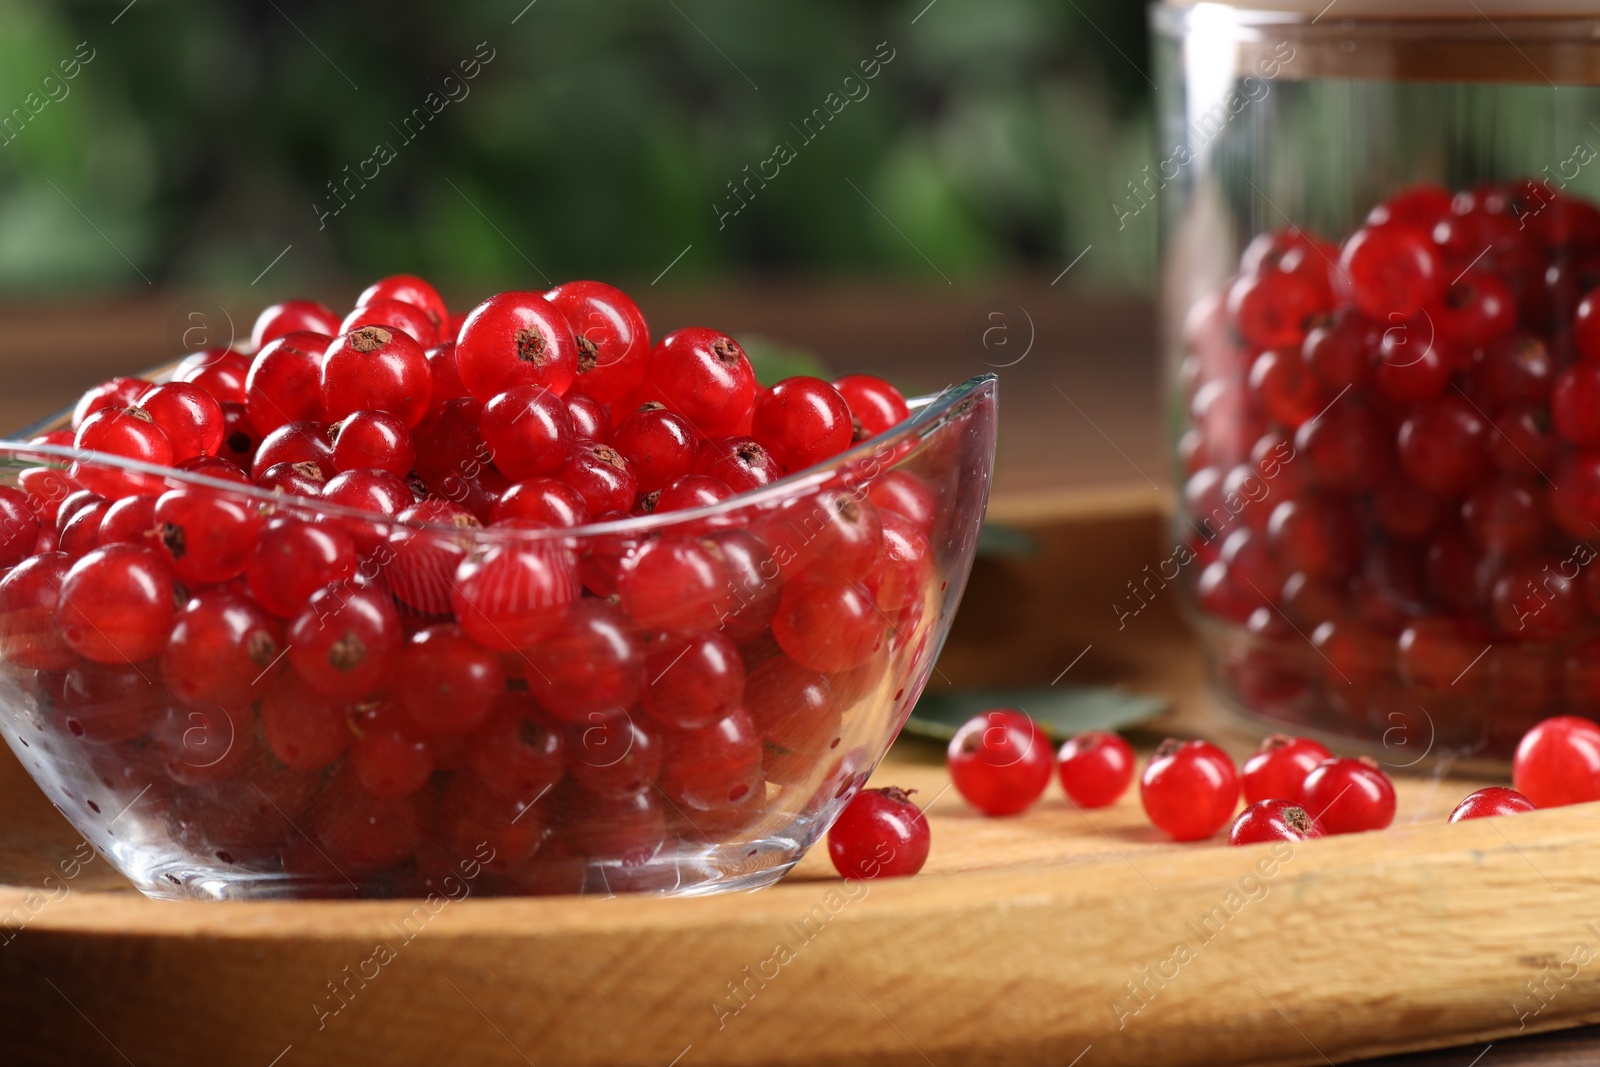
(389, 639)
(1393, 449)
(1294, 789)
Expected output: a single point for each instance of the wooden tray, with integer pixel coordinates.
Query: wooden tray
(1051, 938)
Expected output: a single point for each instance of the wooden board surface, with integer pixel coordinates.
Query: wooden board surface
(1016, 945)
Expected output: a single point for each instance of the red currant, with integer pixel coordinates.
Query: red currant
(528, 431)
(879, 834)
(126, 432)
(446, 682)
(292, 316)
(705, 378)
(117, 604)
(305, 730)
(189, 416)
(801, 421)
(1392, 269)
(375, 368)
(1558, 762)
(219, 371)
(1487, 803)
(518, 754)
(541, 500)
(875, 405)
(389, 756)
(222, 646)
(1278, 769)
(396, 315)
(1273, 820)
(741, 463)
(613, 339)
(512, 594)
(344, 641)
(590, 419)
(1096, 768)
(408, 289)
(30, 595)
(516, 339)
(1189, 789)
(114, 393)
(675, 587)
(659, 446)
(1000, 761)
(713, 768)
(601, 476)
(1349, 796)
(372, 440)
(592, 665)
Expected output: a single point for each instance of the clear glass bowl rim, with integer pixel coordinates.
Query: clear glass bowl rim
(928, 413)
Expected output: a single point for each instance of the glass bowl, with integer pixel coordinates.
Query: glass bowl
(678, 703)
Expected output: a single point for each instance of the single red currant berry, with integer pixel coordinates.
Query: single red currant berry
(46, 488)
(826, 537)
(541, 500)
(114, 393)
(1442, 446)
(593, 664)
(874, 404)
(827, 627)
(685, 494)
(1531, 599)
(1392, 269)
(361, 832)
(372, 440)
(390, 757)
(753, 589)
(1189, 789)
(659, 446)
(446, 682)
(426, 547)
(1279, 767)
(1317, 535)
(343, 642)
(1435, 652)
(1346, 448)
(1516, 369)
(614, 756)
(514, 339)
(219, 371)
(601, 476)
(879, 834)
(613, 339)
(117, 604)
(374, 491)
(408, 289)
(590, 419)
(396, 315)
(694, 684)
(741, 463)
(447, 384)
(189, 416)
(1349, 796)
(305, 730)
(126, 432)
(294, 442)
(292, 559)
(292, 316)
(705, 378)
(528, 431)
(1274, 308)
(1287, 389)
(222, 646)
(305, 480)
(1273, 820)
(1477, 309)
(715, 767)
(801, 421)
(1000, 761)
(30, 595)
(207, 534)
(475, 822)
(1413, 364)
(376, 368)
(1339, 350)
(1487, 803)
(511, 594)
(1558, 762)
(904, 492)
(1096, 768)
(674, 587)
(285, 381)
(518, 754)
(1423, 205)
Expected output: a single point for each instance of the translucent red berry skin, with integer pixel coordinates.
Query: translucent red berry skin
(1273, 820)
(880, 834)
(659, 446)
(292, 316)
(19, 527)
(516, 339)
(703, 377)
(1348, 796)
(1000, 761)
(389, 756)
(373, 440)
(542, 500)
(1277, 771)
(674, 587)
(691, 491)
(601, 476)
(529, 432)
(117, 604)
(1095, 768)
(1490, 802)
(343, 642)
(126, 432)
(593, 664)
(614, 756)
(113, 393)
(189, 416)
(715, 767)
(1392, 270)
(827, 627)
(613, 338)
(292, 559)
(221, 648)
(208, 535)
(741, 463)
(1558, 762)
(376, 368)
(219, 371)
(285, 382)
(591, 421)
(294, 442)
(874, 404)
(1189, 789)
(801, 421)
(29, 596)
(396, 315)
(511, 595)
(304, 729)
(448, 683)
(408, 289)
(518, 753)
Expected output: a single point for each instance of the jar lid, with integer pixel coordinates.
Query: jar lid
(1324, 10)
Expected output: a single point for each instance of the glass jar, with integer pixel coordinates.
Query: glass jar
(1378, 241)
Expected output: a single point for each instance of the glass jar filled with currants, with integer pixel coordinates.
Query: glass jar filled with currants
(1381, 292)
(521, 601)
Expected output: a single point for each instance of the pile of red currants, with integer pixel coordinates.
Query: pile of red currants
(1393, 469)
(327, 623)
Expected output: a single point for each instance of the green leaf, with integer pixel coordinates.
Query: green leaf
(1062, 710)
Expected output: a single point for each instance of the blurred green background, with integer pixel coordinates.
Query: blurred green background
(598, 140)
